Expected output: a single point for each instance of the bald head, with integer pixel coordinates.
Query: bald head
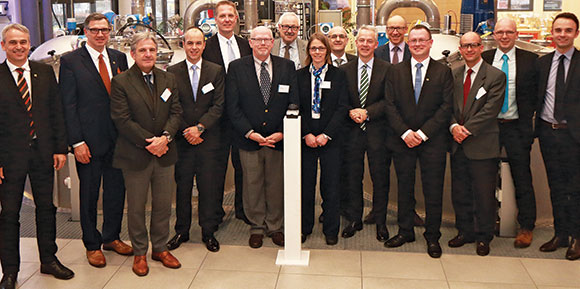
(337, 38)
(396, 29)
(505, 34)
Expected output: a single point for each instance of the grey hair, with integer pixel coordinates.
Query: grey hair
(253, 32)
(368, 28)
(286, 14)
(15, 26)
(138, 37)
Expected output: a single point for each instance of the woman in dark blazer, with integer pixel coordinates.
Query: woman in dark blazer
(323, 107)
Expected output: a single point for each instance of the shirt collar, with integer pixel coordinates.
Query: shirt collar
(401, 46)
(425, 62)
(223, 38)
(361, 63)
(334, 57)
(189, 64)
(568, 53)
(311, 68)
(12, 67)
(293, 44)
(95, 54)
(475, 68)
(258, 62)
(511, 54)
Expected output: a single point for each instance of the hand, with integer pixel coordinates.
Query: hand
(59, 160)
(310, 140)
(192, 135)
(83, 154)
(259, 139)
(1, 174)
(274, 138)
(158, 146)
(358, 115)
(413, 139)
(321, 140)
(460, 133)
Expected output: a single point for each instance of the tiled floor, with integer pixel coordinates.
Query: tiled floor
(240, 267)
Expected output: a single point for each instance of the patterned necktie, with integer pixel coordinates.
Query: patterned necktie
(418, 79)
(317, 81)
(364, 91)
(395, 59)
(559, 110)
(265, 82)
(149, 83)
(231, 54)
(25, 94)
(338, 62)
(194, 81)
(287, 51)
(506, 69)
(104, 74)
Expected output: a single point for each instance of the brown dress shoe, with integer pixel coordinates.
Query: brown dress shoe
(96, 258)
(523, 239)
(140, 265)
(167, 259)
(554, 244)
(278, 238)
(119, 247)
(256, 240)
(573, 252)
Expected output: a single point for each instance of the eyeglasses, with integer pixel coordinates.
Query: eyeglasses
(470, 45)
(508, 33)
(418, 41)
(96, 31)
(261, 40)
(290, 27)
(317, 48)
(337, 36)
(393, 28)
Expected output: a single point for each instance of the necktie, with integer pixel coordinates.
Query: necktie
(395, 59)
(467, 86)
(506, 69)
(194, 82)
(364, 90)
(317, 81)
(265, 82)
(338, 62)
(25, 94)
(231, 54)
(149, 83)
(560, 91)
(418, 79)
(104, 73)
(287, 51)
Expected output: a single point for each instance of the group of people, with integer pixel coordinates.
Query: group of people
(139, 129)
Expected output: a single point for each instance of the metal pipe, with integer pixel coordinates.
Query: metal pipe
(363, 15)
(191, 15)
(251, 14)
(138, 7)
(427, 6)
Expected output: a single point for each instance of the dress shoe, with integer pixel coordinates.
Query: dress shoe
(523, 239)
(96, 258)
(370, 218)
(482, 248)
(176, 241)
(434, 249)
(167, 259)
(382, 233)
(9, 281)
(573, 252)
(351, 229)
(321, 218)
(278, 238)
(119, 247)
(211, 243)
(140, 267)
(331, 240)
(56, 269)
(417, 221)
(554, 244)
(398, 241)
(256, 240)
(459, 241)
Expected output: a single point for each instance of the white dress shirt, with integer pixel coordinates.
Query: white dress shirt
(334, 58)
(400, 53)
(425, 63)
(26, 67)
(293, 51)
(95, 57)
(223, 41)
(512, 112)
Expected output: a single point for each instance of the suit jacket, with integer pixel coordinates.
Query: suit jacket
(46, 114)
(333, 102)
(213, 52)
(383, 53)
(245, 104)
(86, 100)
(431, 114)
(526, 88)
(207, 109)
(479, 115)
(139, 116)
(572, 95)
(301, 49)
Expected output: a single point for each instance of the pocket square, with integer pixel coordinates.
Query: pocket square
(480, 93)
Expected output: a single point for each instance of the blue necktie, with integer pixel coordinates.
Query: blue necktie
(194, 82)
(418, 78)
(506, 69)
(317, 81)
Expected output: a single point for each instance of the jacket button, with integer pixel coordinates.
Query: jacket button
(264, 124)
(266, 110)
(153, 119)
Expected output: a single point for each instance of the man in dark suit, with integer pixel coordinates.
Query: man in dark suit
(85, 84)
(145, 108)
(338, 39)
(558, 129)
(367, 78)
(478, 97)
(419, 104)
(515, 119)
(33, 138)
(201, 90)
(259, 89)
(223, 48)
(396, 50)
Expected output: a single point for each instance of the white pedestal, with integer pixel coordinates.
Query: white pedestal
(508, 211)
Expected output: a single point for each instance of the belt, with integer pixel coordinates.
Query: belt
(505, 120)
(555, 126)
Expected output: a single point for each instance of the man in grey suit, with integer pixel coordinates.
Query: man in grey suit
(145, 108)
(478, 97)
(288, 46)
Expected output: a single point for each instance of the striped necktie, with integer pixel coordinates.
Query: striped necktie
(25, 94)
(364, 90)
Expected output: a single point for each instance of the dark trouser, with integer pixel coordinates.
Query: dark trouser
(329, 157)
(343, 181)
(229, 148)
(561, 155)
(199, 161)
(357, 144)
(90, 176)
(238, 180)
(473, 184)
(41, 176)
(432, 162)
(518, 154)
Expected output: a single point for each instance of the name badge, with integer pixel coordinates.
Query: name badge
(207, 88)
(325, 85)
(166, 94)
(283, 88)
(480, 93)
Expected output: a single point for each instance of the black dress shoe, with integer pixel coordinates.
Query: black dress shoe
(370, 218)
(555, 243)
(211, 243)
(9, 281)
(434, 249)
(56, 269)
(398, 241)
(573, 252)
(382, 233)
(176, 241)
(482, 248)
(351, 229)
(459, 241)
(321, 218)
(331, 240)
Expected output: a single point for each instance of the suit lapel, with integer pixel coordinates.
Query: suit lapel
(113, 61)
(90, 65)
(183, 75)
(275, 79)
(352, 75)
(475, 85)
(573, 64)
(160, 86)
(11, 84)
(254, 78)
(459, 88)
(408, 82)
(203, 79)
(140, 86)
(37, 85)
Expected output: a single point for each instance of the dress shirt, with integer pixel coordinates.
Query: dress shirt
(190, 71)
(475, 70)
(425, 63)
(369, 70)
(401, 52)
(95, 57)
(26, 73)
(550, 98)
(313, 83)
(223, 41)
(334, 58)
(512, 112)
(293, 51)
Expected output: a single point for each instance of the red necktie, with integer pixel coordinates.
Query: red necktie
(104, 73)
(466, 86)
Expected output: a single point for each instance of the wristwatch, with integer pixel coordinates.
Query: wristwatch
(168, 136)
(200, 128)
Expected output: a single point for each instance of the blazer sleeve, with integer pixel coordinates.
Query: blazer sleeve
(392, 113)
(239, 120)
(68, 89)
(214, 113)
(340, 114)
(56, 116)
(441, 116)
(491, 108)
(175, 111)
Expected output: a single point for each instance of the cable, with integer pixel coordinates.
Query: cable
(55, 18)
